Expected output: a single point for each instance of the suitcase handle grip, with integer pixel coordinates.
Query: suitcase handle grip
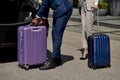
(98, 33)
(35, 29)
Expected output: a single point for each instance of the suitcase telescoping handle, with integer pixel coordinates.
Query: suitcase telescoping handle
(97, 31)
(98, 21)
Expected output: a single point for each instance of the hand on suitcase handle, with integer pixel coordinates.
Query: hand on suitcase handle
(38, 21)
(35, 21)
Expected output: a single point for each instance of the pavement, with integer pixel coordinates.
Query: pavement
(73, 68)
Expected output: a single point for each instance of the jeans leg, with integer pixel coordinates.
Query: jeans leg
(57, 33)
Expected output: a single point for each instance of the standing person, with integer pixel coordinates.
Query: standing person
(62, 10)
(87, 17)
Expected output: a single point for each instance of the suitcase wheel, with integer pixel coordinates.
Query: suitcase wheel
(26, 67)
(90, 65)
(94, 67)
(108, 65)
(21, 66)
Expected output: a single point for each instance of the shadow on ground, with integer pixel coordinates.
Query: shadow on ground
(65, 58)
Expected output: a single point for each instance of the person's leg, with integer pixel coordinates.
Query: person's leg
(58, 28)
(88, 31)
(83, 19)
(84, 35)
(57, 34)
(89, 22)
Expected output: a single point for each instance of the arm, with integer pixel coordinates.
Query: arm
(42, 13)
(44, 9)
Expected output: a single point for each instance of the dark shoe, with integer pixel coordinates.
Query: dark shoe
(48, 65)
(82, 58)
(57, 61)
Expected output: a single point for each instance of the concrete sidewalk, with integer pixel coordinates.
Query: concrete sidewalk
(72, 68)
(109, 21)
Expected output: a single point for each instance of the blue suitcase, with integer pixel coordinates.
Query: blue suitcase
(98, 51)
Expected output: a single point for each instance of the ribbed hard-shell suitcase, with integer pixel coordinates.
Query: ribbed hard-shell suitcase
(98, 51)
(32, 46)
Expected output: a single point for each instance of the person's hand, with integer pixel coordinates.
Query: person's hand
(95, 7)
(41, 22)
(35, 21)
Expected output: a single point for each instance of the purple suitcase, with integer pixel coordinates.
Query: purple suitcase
(32, 46)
